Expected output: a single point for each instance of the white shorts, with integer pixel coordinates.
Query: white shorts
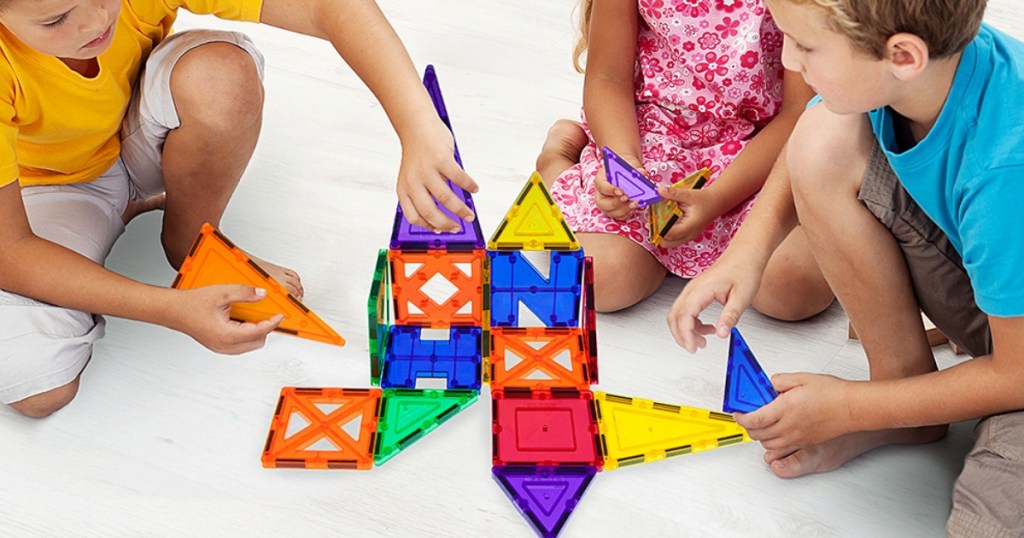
(43, 347)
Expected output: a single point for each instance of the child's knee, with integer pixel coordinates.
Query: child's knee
(565, 140)
(47, 350)
(49, 402)
(219, 84)
(826, 149)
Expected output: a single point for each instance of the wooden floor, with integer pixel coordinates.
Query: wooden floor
(165, 437)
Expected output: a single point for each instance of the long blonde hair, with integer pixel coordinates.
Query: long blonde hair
(586, 7)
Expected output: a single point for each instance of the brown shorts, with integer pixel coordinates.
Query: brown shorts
(988, 498)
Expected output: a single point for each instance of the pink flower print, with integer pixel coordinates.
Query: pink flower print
(675, 40)
(757, 82)
(728, 6)
(647, 45)
(704, 135)
(695, 8)
(732, 147)
(729, 27)
(709, 41)
(714, 65)
(689, 46)
(771, 41)
(749, 59)
(702, 105)
(651, 67)
(650, 91)
(690, 30)
(727, 111)
(651, 7)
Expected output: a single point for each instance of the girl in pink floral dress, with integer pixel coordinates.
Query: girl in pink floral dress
(673, 86)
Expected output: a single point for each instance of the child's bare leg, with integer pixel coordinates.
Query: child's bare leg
(219, 99)
(624, 272)
(566, 139)
(793, 287)
(864, 267)
(49, 402)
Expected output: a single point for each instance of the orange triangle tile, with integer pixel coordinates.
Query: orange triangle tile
(534, 222)
(214, 259)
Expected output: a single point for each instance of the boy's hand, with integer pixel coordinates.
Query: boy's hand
(609, 198)
(732, 281)
(699, 209)
(203, 314)
(426, 162)
(810, 409)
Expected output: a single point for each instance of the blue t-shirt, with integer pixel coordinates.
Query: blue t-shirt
(967, 174)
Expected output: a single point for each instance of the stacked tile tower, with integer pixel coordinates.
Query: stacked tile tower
(542, 361)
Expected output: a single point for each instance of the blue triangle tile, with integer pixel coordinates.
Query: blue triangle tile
(545, 495)
(634, 184)
(747, 387)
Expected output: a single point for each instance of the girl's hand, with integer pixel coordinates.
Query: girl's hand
(699, 209)
(427, 160)
(203, 314)
(609, 198)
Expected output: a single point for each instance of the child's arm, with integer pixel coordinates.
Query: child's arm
(734, 278)
(813, 408)
(365, 40)
(48, 272)
(608, 94)
(747, 173)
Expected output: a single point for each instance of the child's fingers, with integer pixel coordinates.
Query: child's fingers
(238, 293)
(453, 202)
(682, 196)
(420, 210)
(603, 187)
(250, 336)
(461, 178)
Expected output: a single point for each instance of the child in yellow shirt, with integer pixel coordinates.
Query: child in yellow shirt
(86, 143)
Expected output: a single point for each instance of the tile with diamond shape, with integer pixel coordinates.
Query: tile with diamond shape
(437, 288)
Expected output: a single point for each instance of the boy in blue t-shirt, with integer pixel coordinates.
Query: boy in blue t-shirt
(906, 177)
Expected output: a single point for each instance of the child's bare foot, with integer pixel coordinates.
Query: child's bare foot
(566, 139)
(286, 277)
(138, 207)
(833, 454)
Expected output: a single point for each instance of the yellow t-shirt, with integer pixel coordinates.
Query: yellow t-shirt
(57, 126)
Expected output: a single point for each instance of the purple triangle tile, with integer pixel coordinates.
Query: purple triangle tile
(545, 495)
(407, 236)
(434, 89)
(634, 184)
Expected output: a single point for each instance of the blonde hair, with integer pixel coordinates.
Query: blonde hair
(586, 7)
(946, 26)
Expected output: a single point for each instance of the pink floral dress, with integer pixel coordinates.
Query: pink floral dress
(708, 77)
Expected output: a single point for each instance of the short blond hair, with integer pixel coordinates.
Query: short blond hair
(946, 26)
